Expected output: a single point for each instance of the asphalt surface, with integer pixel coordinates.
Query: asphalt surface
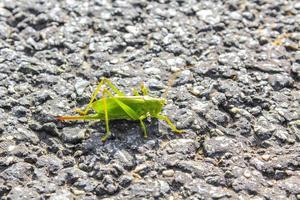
(236, 93)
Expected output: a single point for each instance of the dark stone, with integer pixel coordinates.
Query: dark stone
(70, 175)
(251, 186)
(4, 189)
(279, 81)
(18, 172)
(290, 184)
(73, 135)
(218, 146)
(20, 193)
(181, 146)
(87, 185)
(51, 129)
(43, 96)
(61, 194)
(263, 129)
(52, 163)
(125, 159)
(20, 111)
(125, 180)
(182, 178)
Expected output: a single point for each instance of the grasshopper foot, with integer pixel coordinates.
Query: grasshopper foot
(105, 137)
(179, 131)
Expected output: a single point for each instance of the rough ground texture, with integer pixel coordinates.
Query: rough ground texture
(237, 95)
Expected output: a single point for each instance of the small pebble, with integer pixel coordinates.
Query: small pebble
(247, 173)
(266, 157)
(168, 173)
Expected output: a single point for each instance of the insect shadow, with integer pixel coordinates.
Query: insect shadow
(126, 130)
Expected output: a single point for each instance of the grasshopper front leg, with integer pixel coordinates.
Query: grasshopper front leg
(144, 90)
(97, 90)
(104, 138)
(166, 119)
(135, 92)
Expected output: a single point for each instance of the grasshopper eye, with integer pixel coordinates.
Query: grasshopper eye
(163, 102)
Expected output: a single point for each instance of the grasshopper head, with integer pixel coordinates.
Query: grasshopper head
(161, 102)
(155, 105)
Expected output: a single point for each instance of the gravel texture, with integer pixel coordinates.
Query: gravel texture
(237, 95)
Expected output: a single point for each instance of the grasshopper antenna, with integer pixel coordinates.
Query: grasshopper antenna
(173, 77)
(171, 82)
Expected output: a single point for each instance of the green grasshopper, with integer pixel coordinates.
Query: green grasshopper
(119, 106)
